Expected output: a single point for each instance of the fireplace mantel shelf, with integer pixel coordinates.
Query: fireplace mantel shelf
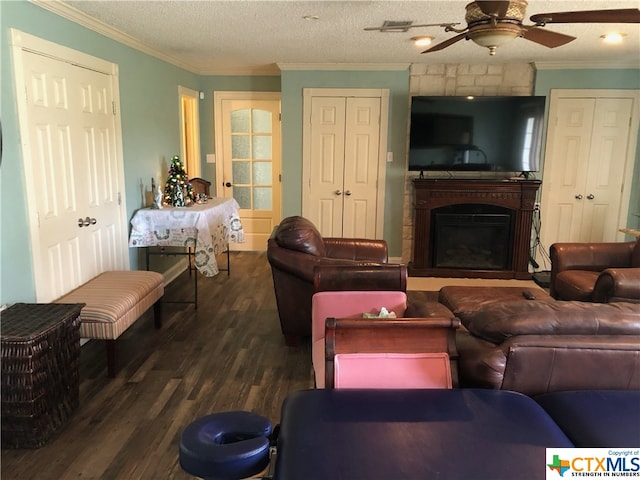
(430, 194)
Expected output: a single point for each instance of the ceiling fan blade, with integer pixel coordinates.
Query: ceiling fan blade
(490, 8)
(547, 37)
(623, 15)
(446, 43)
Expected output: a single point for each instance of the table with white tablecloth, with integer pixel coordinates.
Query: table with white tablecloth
(204, 230)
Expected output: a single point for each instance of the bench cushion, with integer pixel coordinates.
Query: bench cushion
(114, 301)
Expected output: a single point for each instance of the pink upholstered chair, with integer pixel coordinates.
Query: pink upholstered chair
(391, 353)
(342, 304)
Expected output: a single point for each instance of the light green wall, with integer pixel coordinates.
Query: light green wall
(149, 113)
(620, 78)
(397, 81)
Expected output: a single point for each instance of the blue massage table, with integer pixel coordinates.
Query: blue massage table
(329, 434)
(414, 434)
(596, 418)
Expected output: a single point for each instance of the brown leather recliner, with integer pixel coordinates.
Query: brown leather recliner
(296, 247)
(536, 347)
(595, 272)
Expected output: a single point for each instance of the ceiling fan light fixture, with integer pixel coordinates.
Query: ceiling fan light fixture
(494, 37)
(422, 40)
(613, 38)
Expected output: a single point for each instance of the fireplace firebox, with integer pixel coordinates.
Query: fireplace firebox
(472, 228)
(477, 237)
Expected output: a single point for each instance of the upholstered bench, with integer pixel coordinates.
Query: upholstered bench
(113, 302)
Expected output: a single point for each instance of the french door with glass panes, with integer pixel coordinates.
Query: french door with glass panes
(248, 168)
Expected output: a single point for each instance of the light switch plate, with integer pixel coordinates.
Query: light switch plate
(389, 156)
(211, 158)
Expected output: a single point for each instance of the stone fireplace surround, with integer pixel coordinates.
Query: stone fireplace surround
(518, 196)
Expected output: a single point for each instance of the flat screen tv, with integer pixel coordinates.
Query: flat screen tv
(500, 134)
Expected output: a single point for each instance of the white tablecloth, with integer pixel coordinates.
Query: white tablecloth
(209, 227)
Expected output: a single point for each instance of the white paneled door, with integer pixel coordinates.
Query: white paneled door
(73, 173)
(344, 164)
(587, 168)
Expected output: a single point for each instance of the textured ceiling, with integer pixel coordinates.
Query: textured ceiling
(212, 36)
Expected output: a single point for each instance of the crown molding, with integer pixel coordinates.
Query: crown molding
(266, 70)
(584, 65)
(81, 18)
(344, 66)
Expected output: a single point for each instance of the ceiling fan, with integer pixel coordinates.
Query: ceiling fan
(493, 23)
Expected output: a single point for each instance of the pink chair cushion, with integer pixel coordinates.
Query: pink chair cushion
(392, 370)
(346, 304)
(349, 304)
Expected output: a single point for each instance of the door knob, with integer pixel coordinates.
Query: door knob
(347, 192)
(338, 192)
(86, 222)
(591, 196)
(579, 196)
(228, 184)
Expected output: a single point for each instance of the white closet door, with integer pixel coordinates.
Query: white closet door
(73, 172)
(326, 175)
(605, 171)
(343, 168)
(589, 157)
(569, 142)
(362, 143)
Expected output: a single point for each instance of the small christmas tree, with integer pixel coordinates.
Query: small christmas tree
(178, 192)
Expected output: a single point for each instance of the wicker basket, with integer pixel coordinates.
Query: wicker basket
(40, 350)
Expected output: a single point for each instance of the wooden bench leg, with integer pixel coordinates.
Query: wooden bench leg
(111, 358)
(157, 313)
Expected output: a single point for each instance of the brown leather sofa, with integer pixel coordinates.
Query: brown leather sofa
(595, 272)
(536, 347)
(296, 248)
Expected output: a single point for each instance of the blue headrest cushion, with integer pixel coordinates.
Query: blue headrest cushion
(226, 445)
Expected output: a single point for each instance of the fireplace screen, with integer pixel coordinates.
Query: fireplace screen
(475, 237)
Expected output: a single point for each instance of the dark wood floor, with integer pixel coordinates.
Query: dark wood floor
(226, 355)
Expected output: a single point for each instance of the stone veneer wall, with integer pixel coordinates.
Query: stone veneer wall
(459, 79)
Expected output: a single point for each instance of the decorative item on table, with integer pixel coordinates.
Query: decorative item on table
(178, 192)
(201, 198)
(157, 195)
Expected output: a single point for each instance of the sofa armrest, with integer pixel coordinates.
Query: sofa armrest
(302, 265)
(588, 256)
(591, 256)
(617, 284)
(356, 249)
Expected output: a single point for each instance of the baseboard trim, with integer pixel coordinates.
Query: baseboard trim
(175, 271)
